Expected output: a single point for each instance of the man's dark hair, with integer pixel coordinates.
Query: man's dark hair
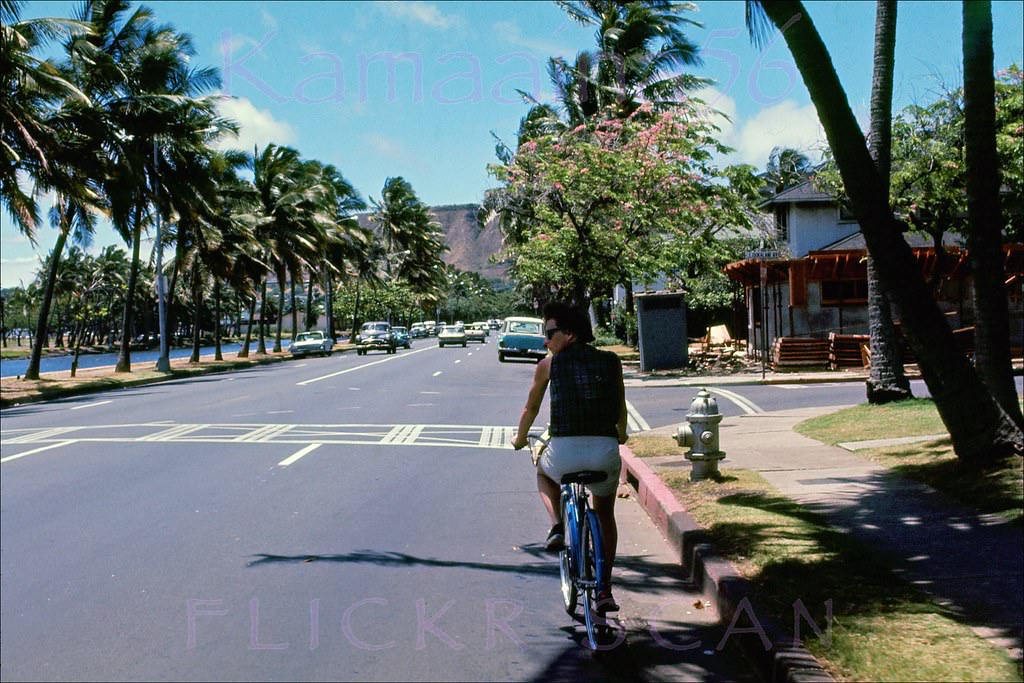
(570, 319)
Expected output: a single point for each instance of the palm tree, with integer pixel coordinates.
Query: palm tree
(640, 46)
(412, 240)
(31, 87)
(786, 167)
(886, 380)
(985, 235)
(979, 427)
(138, 74)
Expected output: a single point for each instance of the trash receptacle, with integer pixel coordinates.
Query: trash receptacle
(661, 330)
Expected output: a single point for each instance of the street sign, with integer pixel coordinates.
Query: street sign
(763, 253)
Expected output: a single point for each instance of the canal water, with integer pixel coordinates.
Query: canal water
(11, 367)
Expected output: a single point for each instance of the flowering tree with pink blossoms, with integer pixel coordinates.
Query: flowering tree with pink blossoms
(617, 201)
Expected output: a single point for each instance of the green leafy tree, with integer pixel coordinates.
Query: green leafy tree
(615, 201)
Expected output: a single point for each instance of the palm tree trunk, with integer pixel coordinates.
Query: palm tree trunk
(310, 322)
(42, 333)
(355, 316)
(124, 361)
(244, 351)
(261, 347)
(280, 310)
(197, 298)
(886, 380)
(295, 312)
(216, 320)
(980, 429)
(329, 304)
(78, 348)
(984, 236)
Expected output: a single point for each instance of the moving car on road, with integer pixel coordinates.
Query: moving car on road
(452, 335)
(314, 341)
(521, 338)
(477, 332)
(402, 337)
(418, 330)
(375, 336)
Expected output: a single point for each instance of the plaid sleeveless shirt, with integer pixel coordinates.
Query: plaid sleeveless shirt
(584, 396)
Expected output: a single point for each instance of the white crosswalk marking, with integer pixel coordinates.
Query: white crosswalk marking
(420, 435)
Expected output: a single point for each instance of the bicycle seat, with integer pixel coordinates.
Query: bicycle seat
(584, 477)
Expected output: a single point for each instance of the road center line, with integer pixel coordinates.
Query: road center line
(91, 405)
(298, 454)
(38, 450)
(437, 373)
(364, 365)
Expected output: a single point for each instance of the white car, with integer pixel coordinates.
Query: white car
(452, 335)
(314, 341)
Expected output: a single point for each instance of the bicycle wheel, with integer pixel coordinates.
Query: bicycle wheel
(590, 572)
(567, 582)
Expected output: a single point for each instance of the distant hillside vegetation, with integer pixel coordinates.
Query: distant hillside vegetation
(469, 247)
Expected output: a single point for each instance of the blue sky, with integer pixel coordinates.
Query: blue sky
(415, 89)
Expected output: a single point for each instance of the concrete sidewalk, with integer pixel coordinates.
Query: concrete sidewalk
(970, 563)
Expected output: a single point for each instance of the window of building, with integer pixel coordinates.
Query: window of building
(836, 292)
(782, 223)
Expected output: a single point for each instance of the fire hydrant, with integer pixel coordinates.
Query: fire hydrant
(700, 434)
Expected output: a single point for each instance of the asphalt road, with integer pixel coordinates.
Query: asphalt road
(339, 518)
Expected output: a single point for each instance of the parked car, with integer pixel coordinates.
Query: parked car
(452, 334)
(402, 337)
(375, 336)
(314, 341)
(521, 338)
(477, 332)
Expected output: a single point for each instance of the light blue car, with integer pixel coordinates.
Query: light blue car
(521, 338)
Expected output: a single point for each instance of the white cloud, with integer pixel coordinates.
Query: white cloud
(509, 32)
(785, 124)
(385, 146)
(422, 12)
(268, 20)
(15, 272)
(256, 126)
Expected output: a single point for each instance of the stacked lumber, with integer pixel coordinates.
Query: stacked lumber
(844, 350)
(799, 353)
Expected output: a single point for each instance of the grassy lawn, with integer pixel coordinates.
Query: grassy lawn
(882, 628)
(998, 488)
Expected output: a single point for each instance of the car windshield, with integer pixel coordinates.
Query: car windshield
(453, 329)
(398, 330)
(375, 327)
(524, 328)
(309, 336)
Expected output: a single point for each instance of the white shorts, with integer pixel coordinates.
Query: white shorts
(566, 454)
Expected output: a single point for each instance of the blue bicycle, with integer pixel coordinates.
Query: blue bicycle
(581, 561)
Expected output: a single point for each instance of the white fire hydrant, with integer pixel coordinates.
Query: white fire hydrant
(700, 435)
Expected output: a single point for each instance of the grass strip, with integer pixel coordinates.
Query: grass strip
(882, 628)
(996, 488)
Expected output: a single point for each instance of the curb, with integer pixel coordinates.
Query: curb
(781, 659)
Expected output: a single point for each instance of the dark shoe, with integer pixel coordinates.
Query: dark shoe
(605, 603)
(556, 539)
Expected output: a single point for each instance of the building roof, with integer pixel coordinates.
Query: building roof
(804, 192)
(916, 240)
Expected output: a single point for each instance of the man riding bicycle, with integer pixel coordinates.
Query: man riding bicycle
(588, 422)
